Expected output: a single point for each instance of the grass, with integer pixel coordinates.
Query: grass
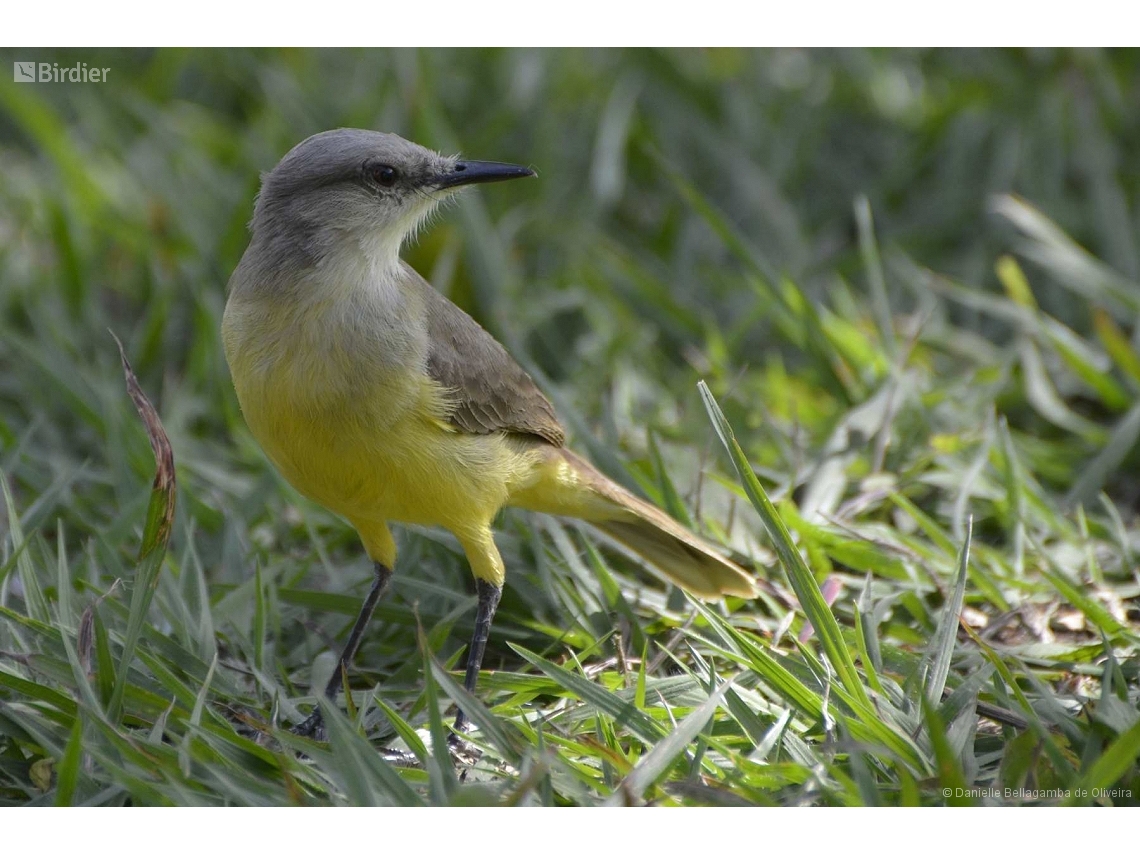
(907, 283)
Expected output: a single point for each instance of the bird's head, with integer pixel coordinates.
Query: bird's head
(372, 189)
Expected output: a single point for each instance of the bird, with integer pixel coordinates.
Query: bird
(378, 398)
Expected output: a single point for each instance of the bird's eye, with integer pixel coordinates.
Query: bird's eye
(383, 174)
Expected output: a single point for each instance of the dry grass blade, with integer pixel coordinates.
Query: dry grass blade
(160, 512)
(156, 533)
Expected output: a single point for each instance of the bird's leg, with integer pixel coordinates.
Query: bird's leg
(314, 726)
(489, 595)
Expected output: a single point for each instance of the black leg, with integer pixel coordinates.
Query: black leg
(314, 726)
(488, 601)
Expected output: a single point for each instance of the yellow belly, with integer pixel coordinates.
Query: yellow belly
(385, 452)
(412, 469)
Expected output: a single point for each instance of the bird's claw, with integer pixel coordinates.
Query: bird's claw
(311, 728)
(460, 749)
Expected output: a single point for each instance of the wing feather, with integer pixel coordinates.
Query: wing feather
(491, 393)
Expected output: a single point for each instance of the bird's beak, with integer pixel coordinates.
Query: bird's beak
(481, 172)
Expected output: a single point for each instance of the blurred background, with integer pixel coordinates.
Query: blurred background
(827, 237)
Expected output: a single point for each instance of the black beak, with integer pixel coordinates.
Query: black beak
(481, 172)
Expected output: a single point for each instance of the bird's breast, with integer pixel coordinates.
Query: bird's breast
(317, 383)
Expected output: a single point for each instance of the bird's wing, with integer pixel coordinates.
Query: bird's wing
(490, 391)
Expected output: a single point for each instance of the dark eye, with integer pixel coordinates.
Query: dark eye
(383, 174)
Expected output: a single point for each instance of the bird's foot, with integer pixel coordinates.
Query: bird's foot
(311, 728)
(399, 757)
(314, 728)
(464, 755)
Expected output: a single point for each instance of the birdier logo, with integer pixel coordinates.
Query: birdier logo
(53, 72)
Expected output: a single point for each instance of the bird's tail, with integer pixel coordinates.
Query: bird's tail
(572, 487)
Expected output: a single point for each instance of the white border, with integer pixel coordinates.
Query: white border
(567, 831)
(224, 23)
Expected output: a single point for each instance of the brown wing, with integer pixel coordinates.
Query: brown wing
(492, 393)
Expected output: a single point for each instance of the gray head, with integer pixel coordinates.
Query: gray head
(370, 188)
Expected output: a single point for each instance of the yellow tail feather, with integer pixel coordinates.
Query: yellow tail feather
(572, 487)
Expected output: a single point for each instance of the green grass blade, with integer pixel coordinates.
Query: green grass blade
(490, 727)
(802, 581)
(67, 773)
(950, 778)
(1106, 462)
(942, 645)
(1110, 768)
(873, 267)
(661, 756)
(624, 714)
(444, 782)
(34, 600)
(405, 731)
(368, 779)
